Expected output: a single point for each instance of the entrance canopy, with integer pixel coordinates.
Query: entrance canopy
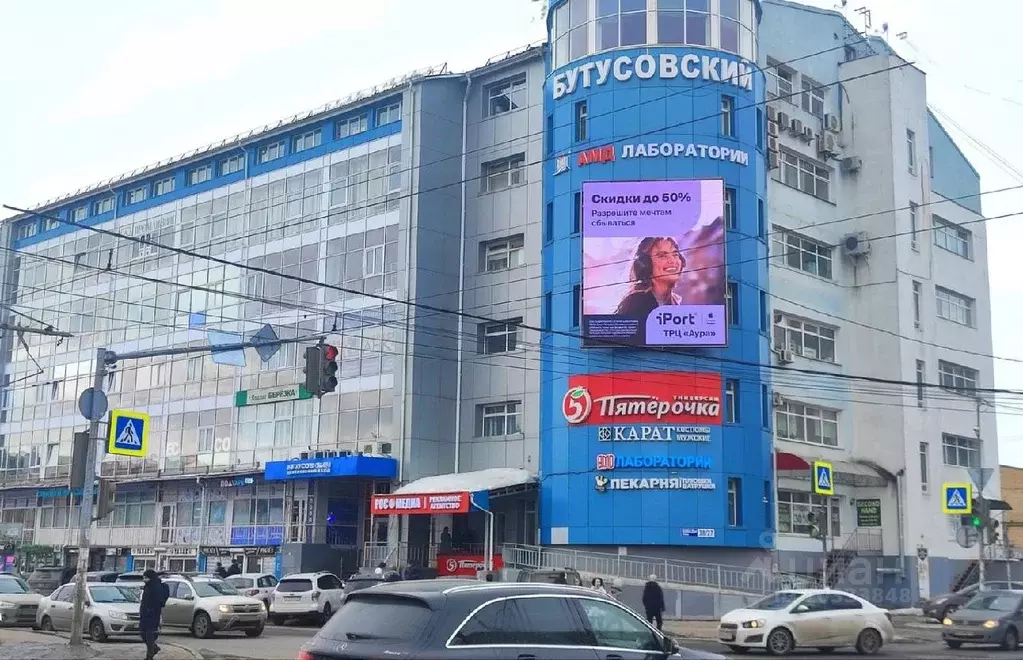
(794, 466)
(453, 493)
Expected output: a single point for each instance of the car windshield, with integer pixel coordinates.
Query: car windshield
(379, 617)
(995, 602)
(239, 582)
(778, 601)
(294, 586)
(13, 585)
(211, 588)
(110, 593)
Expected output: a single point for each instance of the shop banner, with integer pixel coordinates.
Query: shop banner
(428, 503)
(465, 565)
(654, 397)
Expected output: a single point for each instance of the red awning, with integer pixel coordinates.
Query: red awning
(785, 461)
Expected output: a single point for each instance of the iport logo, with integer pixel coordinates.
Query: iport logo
(576, 405)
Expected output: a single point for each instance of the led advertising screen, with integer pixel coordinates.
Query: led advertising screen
(654, 263)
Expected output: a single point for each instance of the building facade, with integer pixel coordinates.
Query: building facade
(472, 243)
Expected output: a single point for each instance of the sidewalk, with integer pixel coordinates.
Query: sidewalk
(905, 632)
(21, 643)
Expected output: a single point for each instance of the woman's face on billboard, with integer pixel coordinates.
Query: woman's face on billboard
(667, 262)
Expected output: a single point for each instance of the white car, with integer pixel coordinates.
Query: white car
(205, 605)
(254, 585)
(306, 596)
(111, 610)
(18, 603)
(818, 618)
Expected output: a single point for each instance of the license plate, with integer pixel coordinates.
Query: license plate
(728, 636)
(292, 598)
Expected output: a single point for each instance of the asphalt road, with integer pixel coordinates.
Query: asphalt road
(911, 651)
(276, 643)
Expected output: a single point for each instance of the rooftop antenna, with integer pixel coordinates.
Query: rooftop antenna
(865, 13)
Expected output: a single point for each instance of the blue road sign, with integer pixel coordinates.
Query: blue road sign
(268, 342)
(230, 356)
(129, 433)
(957, 499)
(823, 478)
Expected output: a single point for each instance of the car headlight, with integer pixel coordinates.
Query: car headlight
(990, 624)
(947, 621)
(117, 614)
(224, 608)
(755, 623)
(6, 604)
(262, 606)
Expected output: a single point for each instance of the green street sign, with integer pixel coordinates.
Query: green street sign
(271, 395)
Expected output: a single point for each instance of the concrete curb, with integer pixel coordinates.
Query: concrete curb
(196, 655)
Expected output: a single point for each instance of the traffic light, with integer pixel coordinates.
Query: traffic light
(321, 369)
(992, 532)
(105, 498)
(815, 530)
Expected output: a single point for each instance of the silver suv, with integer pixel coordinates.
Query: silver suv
(205, 605)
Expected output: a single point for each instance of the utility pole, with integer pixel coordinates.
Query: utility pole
(981, 540)
(49, 332)
(85, 508)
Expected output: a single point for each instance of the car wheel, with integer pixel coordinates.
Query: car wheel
(97, 631)
(254, 632)
(953, 644)
(869, 642)
(738, 649)
(780, 642)
(325, 616)
(1011, 640)
(202, 627)
(46, 624)
(825, 649)
(278, 620)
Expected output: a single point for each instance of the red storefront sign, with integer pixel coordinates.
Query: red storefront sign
(465, 565)
(605, 154)
(643, 397)
(427, 503)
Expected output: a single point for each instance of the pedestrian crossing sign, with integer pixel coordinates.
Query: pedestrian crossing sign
(129, 433)
(957, 499)
(823, 478)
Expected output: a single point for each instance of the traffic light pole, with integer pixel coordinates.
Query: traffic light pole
(85, 507)
(984, 513)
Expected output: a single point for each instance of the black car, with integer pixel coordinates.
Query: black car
(945, 605)
(462, 619)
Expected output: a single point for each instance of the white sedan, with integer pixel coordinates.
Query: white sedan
(817, 618)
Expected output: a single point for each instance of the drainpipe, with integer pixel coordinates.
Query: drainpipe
(461, 277)
(899, 476)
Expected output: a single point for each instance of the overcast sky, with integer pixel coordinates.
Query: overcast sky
(93, 89)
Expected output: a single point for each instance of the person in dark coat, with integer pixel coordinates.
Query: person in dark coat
(653, 602)
(562, 578)
(234, 569)
(154, 596)
(221, 571)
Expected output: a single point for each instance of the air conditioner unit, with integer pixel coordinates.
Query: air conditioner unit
(807, 134)
(783, 120)
(832, 123)
(856, 244)
(796, 127)
(784, 355)
(772, 143)
(852, 164)
(772, 113)
(772, 129)
(777, 400)
(827, 144)
(772, 160)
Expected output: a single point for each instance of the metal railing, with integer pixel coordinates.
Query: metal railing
(866, 541)
(750, 580)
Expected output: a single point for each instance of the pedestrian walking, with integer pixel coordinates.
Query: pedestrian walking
(597, 584)
(221, 571)
(154, 597)
(234, 569)
(562, 578)
(653, 602)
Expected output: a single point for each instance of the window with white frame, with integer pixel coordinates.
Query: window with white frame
(505, 95)
(105, 205)
(921, 376)
(952, 237)
(806, 423)
(913, 220)
(50, 222)
(79, 214)
(307, 140)
(232, 164)
(731, 401)
(389, 114)
(794, 508)
(802, 253)
(373, 260)
(498, 337)
(805, 175)
(805, 338)
(26, 229)
(504, 173)
(502, 254)
(960, 451)
(351, 126)
(200, 174)
(730, 208)
(727, 115)
(917, 299)
(954, 307)
(957, 378)
(732, 303)
(925, 466)
(498, 419)
(813, 96)
(911, 150)
(163, 186)
(206, 439)
(781, 80)
(582, 118)
(734, 501)
(270, 152)
(193, 371)
(135, 195)
(131, 509)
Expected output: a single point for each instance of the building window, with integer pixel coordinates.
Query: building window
(351, 126)
(730, 208)
(577, 212)
(925, 472)
(619, 24)
(549, 136)
(200, 174)
(805, 175)
(913, 226)
(52, 222)
(921, 369)
(497, 419)
(577, 304)
(731, 401)
(810, 340)
(500, 337)
(802, 253)
(813, 96)
(734, 501)
(763, 312)
(957, 378)
(163, 186)
(105, 205)
(548, 222)
(953, 238)
(307, 140)
(954, 307)
(504, 173)
(77, 214)
(506, 95)
(780, 80)
(193, 370)
(793, 507)
(960, 451)
(270, 152)
(732, 303)
(760, 129)
(581, 117)
(502, 254)
(911, 150)
(232, 165)
(917, 294)
(802, 423)
(389, 115)
(729, 10)
(548, 308)
(26, 229)
(727, 116)
(135, 195)
(765, 407)
(761, 219)
(930, 161)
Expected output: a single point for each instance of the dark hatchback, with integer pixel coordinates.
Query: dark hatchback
(992, 617)
(459, 619)
(942, 606)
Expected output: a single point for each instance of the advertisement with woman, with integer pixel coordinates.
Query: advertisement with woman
(654, 263)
